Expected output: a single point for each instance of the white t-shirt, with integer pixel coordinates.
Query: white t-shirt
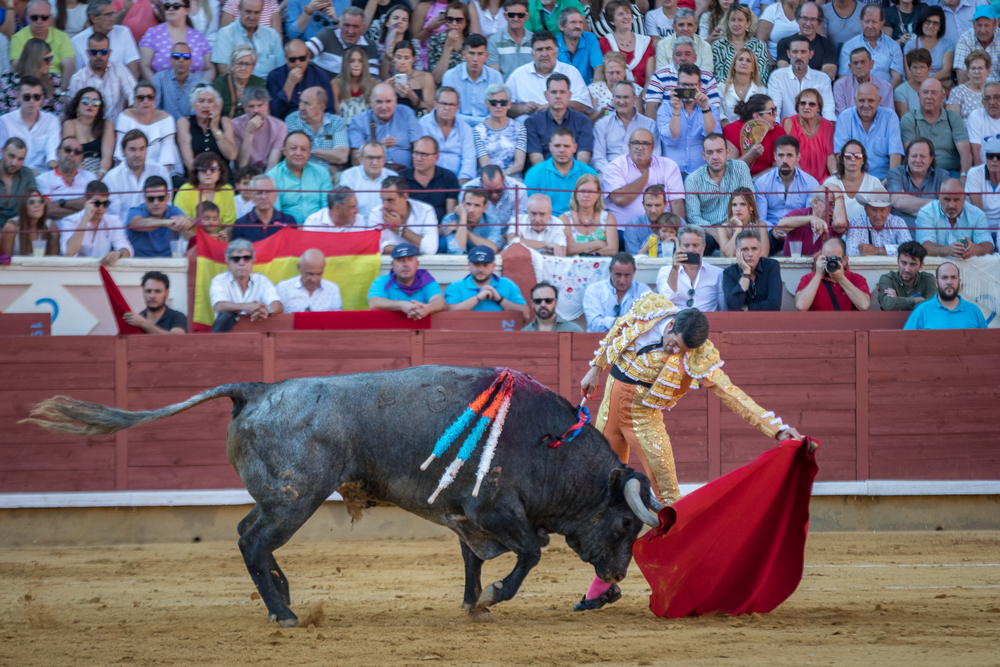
(527, 85)
(296, 299)
(708, 294)
(55, 187)
(320, 221)
(977, 182)
(657, 23)
(96, 242)
(225, 288)
(982, 128)
(783, 27)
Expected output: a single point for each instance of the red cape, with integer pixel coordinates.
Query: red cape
(736, 545)
(119, 306)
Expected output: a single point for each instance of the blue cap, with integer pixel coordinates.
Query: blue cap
(405, 250)
(984, 12)
(482, 254)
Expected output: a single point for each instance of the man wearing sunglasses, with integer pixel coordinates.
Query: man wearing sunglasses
(65, 185)
(511, 47)
(154, 223)
(287, 83)
(102, 20)
(174, 86)
(544, 298)
(40, 26)
(114, 81)
(239, 291)
(92, 232)
(39, 130)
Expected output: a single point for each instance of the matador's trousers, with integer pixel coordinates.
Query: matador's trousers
(627, 423)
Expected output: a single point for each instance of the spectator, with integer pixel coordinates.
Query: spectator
(499, 140)
(903, 22)
(157, 317)
(742, 83)
(309, 291)
(468, 226)
(407, 288)
(544, 14)
(852, 176)
(301, 185)
(886, 53)
(259, 135)
(305, 18)
(809, 16)
(873, 125)
(600, 91)
(287, 83)
(540, 124)
(983, 182)
(754, 281)
(689, 282)
(240, 76)
(743, 214)
(606, 301)
(114, 81)
(784, 84)
(907, 94)
(787, 178)
(589, 228)
(366, 179)
(331, 45)
(92, 233)
(660, 21)
(686, 26)
(157, 44)
(456, 146)
(39, 130)
(842, 288)
(719, 176)
(353, 87)
(628, 176)
(394, 126)
(948, 310)
(597, 15)
(327, 132)
(86, 121)
(930, 36)
(527, 83)
(577, 46)
(263, 221)
(984, 124)
(638, 230)
(40, 26)
(968, 97)
(539, 229)
(245, 201)
(434, 185)
(950, 227)
(404, 219)
(31, 224)
(759, 156)
(160, 130)
(560, 172)
(240, 291)
(810, 226)
(208, 182)
(611, 133)
(814, 134)
(175, 86)
(16, 180)
(688, 121)
(861, 65)
(876, 232)
(664, 236)
(102, 20)
(503, 194)
(36, 62)
(340, 215)
(414, 88)
(777, 22)
(640, 59)
(909, 286)
(395, 30)
(66, 184)
(270, 14)
(665, 79)
(482, 291)
(913, 185)
(473, 81)
(154, 223)
(248, 31)
(491, 18)
(945, 128)
(738, 28)
(510, 48)
(982, 37)
(544, 299)
(444, 50)
(841, 28)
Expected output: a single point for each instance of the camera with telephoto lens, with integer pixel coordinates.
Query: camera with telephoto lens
(833, 264)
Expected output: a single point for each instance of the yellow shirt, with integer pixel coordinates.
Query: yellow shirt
(187, 201)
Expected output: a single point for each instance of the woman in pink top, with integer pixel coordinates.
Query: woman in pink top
(428, 20)
(815, 135)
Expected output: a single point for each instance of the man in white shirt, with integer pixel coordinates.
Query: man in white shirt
(91, 232)
(527, 83)
(341, 214)
(539, 229)
(114, 81)
(692, 285)
(102, 20)
(308, 291)
(39, 130)
(984, 124)
(606, 301)
(403, 218)
(366, 178)
(787, 82)
(240, 291)
(126, 179)
(65, 185)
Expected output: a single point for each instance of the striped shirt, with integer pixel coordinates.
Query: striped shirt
(505, 54)
(116, 87)
(665, 80)
(708, 210)
(332, 134)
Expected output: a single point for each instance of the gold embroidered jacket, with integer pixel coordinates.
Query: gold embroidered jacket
(672, 375)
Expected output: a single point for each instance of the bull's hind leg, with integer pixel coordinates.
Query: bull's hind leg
(510, 526)
(277, 576)
(473, 584)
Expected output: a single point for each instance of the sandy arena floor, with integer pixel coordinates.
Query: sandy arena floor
(885, 599)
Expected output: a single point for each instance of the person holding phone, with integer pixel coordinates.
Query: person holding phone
(688, 281)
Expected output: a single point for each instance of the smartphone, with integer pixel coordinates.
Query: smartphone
(686, 93)
(692, 258)
(401, 79)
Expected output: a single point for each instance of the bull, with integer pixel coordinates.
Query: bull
(294, 443)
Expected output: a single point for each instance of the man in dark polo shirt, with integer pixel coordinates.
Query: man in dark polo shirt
(426, 175)
(153, 224)
(264, 220)
(157, 318)
(825, 55)
(540, 125)
(15, 178)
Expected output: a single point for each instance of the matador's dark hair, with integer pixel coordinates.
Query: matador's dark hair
(692, 325)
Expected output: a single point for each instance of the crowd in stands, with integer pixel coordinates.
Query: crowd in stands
(605, 128)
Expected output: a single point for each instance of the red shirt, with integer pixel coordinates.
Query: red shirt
(639, 72)
(810, 244)
(822, 300)
(765, 161)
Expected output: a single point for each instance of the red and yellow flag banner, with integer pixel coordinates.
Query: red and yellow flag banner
(352, 262)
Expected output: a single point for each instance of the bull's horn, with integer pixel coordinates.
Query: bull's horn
(633, 496)
(655, 505)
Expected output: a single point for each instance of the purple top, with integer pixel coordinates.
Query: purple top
(159, 40)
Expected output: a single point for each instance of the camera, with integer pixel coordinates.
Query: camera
(685, 93)
(833, 264)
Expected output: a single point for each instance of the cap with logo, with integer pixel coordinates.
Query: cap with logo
(405, 250)
(482, 254)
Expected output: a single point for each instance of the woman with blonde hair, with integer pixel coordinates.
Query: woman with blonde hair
(742, 83)
(738, 27)
(353, 86)
(31, 224)
(590, 228)
(231, 86)
(967, 97)
(35, 60)
(710, 26)
(741, 213)
(615, 69)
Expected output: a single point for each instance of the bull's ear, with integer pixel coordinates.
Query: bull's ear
(615, 479)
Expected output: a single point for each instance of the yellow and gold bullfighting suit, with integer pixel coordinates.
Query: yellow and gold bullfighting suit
(645, 380)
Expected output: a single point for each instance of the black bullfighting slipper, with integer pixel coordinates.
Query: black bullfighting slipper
(613, 594)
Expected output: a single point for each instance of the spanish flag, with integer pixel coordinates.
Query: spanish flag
(352, 262)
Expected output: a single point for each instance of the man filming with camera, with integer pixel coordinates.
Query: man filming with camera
(832, 285)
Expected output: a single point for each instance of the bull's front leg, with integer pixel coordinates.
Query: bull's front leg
(501, 591)
(473, 583)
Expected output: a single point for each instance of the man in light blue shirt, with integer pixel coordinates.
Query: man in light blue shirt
(395, 127)
(457, 149)
(947, 310)
(265, 41)
(695, 118)
(471, 79)
(886, 53)
(311, 23)
(559, 173)
(612, 133)
(784, 187)
(482, 291)
(577, 46)
(951, 227)
(302, 185)
(606, 301)
(876, 127)
(468, 226)
(407, 288)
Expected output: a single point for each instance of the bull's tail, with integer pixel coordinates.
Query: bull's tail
(62, 414)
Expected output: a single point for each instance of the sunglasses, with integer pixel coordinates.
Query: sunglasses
(73, 151)
(28, 97)
(239, 259)
(993, 156)
(215, 168)
(498, 103)
(454, 19)
(48, 58)
(690, 301)
(40, 17)
(91, 102)
(152, 199)
(100, 203)
(145, 98)
(35, 202)
(100, 52)
(855, 156)
(516, 15)
(179, 56)
(297, 59)
(547, 302)
(173, 6)
(804, 103)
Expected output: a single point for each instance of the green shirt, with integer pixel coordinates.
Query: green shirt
(541, 19)
(57, 40)
(904, 299)
(560, 325)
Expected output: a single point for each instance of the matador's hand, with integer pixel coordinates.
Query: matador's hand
(589, 383)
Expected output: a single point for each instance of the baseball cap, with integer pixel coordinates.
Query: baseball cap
(405, 250)
(984, 11)
(878, 198)
(482, 255)
(992, 146)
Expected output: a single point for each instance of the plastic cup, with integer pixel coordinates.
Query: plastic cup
(38, 248)
(174, 249)
(796, 248)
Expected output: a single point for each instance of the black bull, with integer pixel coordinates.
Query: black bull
(295, 442)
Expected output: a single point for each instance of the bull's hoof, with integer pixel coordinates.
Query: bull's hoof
(480, 615)
(490, 594)
(289, 622)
